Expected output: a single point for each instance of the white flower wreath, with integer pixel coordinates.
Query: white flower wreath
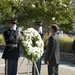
(32, 44)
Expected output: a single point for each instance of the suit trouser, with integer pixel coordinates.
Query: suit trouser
(11, 67)
(52, 69)
(38, 63)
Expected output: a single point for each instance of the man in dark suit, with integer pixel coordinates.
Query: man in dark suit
(53, 51)
(11, 52)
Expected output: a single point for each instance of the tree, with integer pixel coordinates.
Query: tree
(48, 11)
(8, 9)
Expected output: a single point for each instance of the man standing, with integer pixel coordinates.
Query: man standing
(53, 51)
(38, 27)
(11, 52)
(38, 63)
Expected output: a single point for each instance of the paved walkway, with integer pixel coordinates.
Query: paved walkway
(65, 68)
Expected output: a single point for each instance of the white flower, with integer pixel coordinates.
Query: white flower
(32, 49)
(30, 52)
(21, 37)
(53, 18)
(64, 5)
(60, 3)
(25, 43)
(33, 6)
(37, 42)
(70, 2)
(39, 55)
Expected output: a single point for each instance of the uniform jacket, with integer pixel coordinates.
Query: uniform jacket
(10, 37)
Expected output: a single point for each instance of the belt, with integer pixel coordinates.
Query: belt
(11, 45)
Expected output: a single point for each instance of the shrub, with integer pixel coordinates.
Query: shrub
(66, 43)
(46, 36)
(2, 39)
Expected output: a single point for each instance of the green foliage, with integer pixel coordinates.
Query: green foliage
(66, 44)
(28, 11)
(67, 27)
(2, 39)
(46, 37)
(6, 9)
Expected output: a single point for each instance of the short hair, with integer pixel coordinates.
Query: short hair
(55, 27)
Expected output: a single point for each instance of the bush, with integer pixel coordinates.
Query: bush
(2, 39)
(46, 36)
(66, 43)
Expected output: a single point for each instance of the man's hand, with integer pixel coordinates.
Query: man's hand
(47, 62)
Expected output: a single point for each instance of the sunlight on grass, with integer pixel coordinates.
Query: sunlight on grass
(2, 39)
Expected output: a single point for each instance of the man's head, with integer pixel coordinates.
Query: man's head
(11, 24)
(37, 25)
(54, 28)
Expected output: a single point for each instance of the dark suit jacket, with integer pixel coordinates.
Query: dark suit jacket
(53, 49)
(12, 53)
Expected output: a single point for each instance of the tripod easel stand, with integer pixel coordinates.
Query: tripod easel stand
(35, 68)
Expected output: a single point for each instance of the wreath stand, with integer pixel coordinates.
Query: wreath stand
(35, 68)
(28, 69)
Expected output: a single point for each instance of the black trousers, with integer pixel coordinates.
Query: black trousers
(11, 67)
(53, 69)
